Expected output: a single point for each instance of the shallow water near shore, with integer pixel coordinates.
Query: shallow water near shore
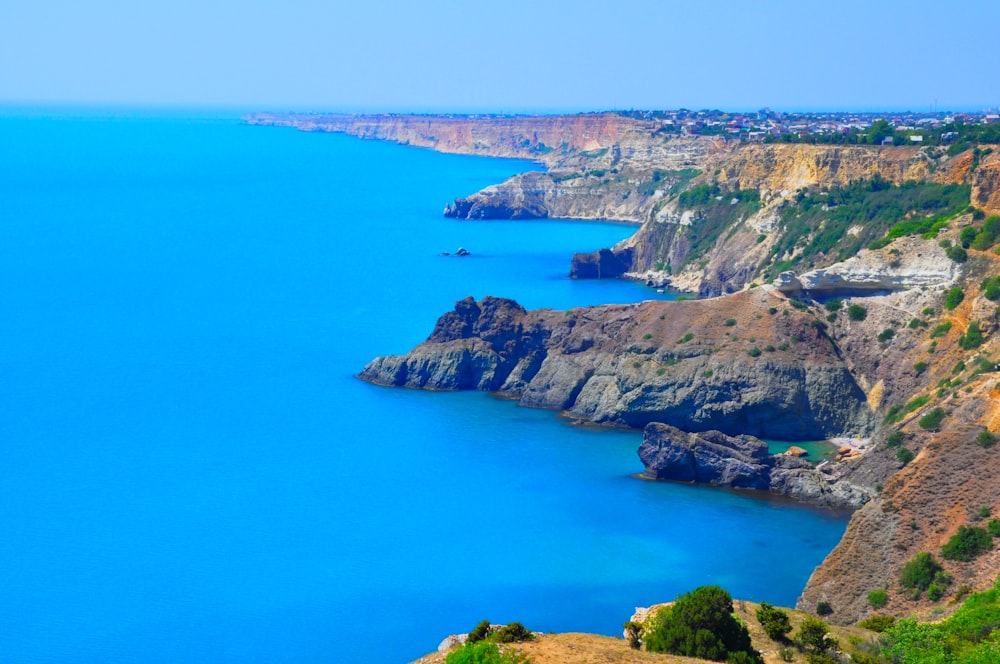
(190, 470)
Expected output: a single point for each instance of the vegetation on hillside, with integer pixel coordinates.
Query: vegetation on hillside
(834, 223)
(719, 211)
(969, 636)
(701, 624)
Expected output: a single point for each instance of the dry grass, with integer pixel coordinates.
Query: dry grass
(574, 648)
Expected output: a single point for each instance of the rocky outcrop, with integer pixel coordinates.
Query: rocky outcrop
(743, 462)
(909, 263)
(603, 264)
(672, 362)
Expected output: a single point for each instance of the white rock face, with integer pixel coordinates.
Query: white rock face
(907, 263)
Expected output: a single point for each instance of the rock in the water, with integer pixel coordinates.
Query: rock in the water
(740, 462)
(710, 457)
(603, 264)
(796, 451)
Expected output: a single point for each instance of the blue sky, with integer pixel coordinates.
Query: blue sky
(496, 56)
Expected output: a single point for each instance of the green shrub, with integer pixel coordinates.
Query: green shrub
(958, 368)
(987, 237)
(834, 305)
(957, 254)
(647, 336)
(886, 334)
(823, 609)
(986, 438)
(918, 574)
(967, 543)
(904, 455)
(856, 312)
(973, 337)
(754, 352)
(730, 322)
(483, 652)
(941, 329)
(479, 632)
(993, 527)
(772, 310)
(878, 598)
(935, 591)
(878, 623)
(633, 634)
(700, 624)
(686, 338)
(991, 288)
(920, 367)
(915, 323)
(953, 298)
(813, 635)
(932, 420)
(513, 632)
(774, 621)
(927, 311)
(967, 236)
(895, 439)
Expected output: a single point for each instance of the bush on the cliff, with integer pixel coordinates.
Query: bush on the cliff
(812, 635)
(701, 624)
(973, 337)
(986, 438)
(905, 455)
(513, 632)
(957, 254)
(479, 632)
(989, 234)
(878, 623)
(919, 573)
(484, 652)
(932, 420)
(953, 298)
(774, 621)
(878, 598)
(856, 312)
(967, 543)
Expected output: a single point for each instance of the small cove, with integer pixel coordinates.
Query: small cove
(191, 470)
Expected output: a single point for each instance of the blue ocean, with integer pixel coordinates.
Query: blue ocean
(190, 471)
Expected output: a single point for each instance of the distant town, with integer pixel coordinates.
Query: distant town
(898, 128)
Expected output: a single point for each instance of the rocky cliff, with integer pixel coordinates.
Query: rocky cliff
(772, 375)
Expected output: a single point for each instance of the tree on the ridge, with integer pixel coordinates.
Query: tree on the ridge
(701, 624)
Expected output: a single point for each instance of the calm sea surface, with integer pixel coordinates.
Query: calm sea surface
(189, 470)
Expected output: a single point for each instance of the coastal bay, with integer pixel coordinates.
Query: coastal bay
(193, 472)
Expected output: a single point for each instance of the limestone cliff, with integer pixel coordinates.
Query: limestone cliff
(734, 252)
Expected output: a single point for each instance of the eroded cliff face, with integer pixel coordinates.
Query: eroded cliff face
(550, 139)
(952, 477)
(672, 362)
(742, 248)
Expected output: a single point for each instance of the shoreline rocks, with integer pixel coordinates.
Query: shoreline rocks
(741, 462)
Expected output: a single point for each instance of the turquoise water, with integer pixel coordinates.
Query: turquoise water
(189, 470)
(819, 450)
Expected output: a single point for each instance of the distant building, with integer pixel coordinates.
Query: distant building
(916, 139)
